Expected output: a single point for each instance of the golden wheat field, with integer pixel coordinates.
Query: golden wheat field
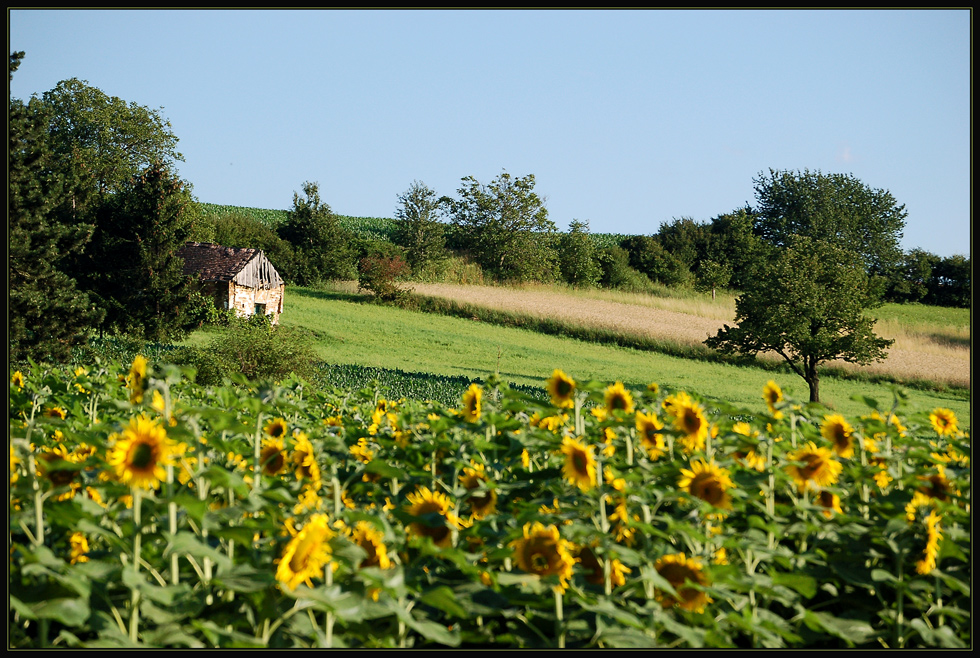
(690, 320)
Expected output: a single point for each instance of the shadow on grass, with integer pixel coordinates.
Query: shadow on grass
(330, 295)
(950, 341)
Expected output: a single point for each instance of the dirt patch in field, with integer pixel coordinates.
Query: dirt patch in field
(906, 359)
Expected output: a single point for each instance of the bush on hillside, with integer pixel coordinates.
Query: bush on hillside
(259, 350)
(380, 274)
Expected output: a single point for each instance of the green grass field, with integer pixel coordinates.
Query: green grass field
(376, 336)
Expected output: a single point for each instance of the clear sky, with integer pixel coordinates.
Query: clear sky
(627, 119)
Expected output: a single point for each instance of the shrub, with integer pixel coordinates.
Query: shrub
(379, 274)
(259, 350)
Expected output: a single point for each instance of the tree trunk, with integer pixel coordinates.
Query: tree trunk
(813, 381)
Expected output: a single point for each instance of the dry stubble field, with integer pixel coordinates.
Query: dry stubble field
(689, 321)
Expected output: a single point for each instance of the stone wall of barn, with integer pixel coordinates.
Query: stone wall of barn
(247, 301)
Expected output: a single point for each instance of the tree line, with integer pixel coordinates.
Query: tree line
(97, 213)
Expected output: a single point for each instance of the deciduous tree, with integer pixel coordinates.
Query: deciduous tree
(418, 226)
(506, 227)
(100, 142)
(834, 208)
(808, 307)
(322, 247)
(577, 256)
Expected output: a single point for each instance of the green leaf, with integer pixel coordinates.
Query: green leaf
(186, 543)
(805, 585)
(70, 612)
(852, 631)
(444, 599)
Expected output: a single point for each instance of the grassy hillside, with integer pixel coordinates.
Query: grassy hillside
(391, 338)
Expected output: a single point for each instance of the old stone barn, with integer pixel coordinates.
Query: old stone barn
(237, 278)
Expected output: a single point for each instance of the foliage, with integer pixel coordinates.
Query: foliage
(664, 542)
(577, 256)
(648, 256)
(259, 350)
(321, 246)
(807, 307)
(506, 227)
(617, 272)
(48, 313)
(712, 274)
(100, 142)
(418, 227)
(133, 264)
(686, 240)
(950, 282)
(236, 228)
(380, 274)
(834, 208)
(733, 243)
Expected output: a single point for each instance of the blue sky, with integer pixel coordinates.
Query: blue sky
(627, 119)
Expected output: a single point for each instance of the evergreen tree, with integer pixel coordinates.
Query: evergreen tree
(135, 268)
(48, 314)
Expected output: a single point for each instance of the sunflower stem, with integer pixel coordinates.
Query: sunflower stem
(172, 513)
(134, 615)
(328, 630)
(899, 640)
(559, 619)
(257, 449)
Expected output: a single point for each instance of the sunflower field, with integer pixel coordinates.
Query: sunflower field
(145, 510)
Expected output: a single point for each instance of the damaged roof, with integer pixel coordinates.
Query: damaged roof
(214, 262)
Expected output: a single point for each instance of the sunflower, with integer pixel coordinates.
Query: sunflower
(481, 503)
(830, 502)
(882, 478)
(362, 451)
(306, 553)
(272, 457)
(369, 538)
(648, 427)
(708, 482)
(276, 428)
(15, 462)
(944, 422)
(619, 399)
(140, 453)
(595, 569)
(936, 485)
(18, 380)
(934, 534)
(561, 388)
(136, 379)
(304, 460)
(579, 466)
(472, 399)
(79, 548)
(53, 464)
(678, 569)
(542, 551)
(818, 468)
(839, 432)
(437, 520)
(773, 395)
(56, 412)
(690, 421)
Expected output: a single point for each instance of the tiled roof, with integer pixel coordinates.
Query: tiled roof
(214, 262)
